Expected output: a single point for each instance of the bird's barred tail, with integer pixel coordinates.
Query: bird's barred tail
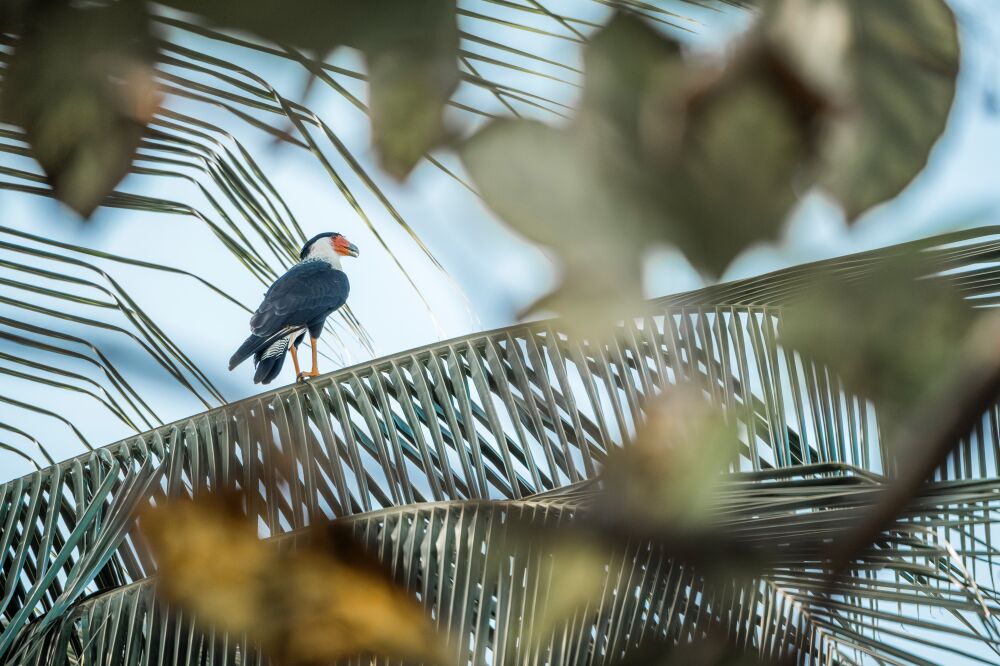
(269, 361)
(268, 355)
(250, 346)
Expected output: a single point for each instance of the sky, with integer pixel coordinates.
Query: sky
(491, 273)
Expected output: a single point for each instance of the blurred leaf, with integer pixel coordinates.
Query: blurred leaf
(188, 540)
(658, 153)
(689, 131)
(411, 50)
(549, 185)
(576, 568)
(12, 14)
(904, 60)
(579, 190)
(80, 83)
(892, 335)
(593, 299)
(814, 38)
(950, 407)
(545, 183)
(669, 477)
(412, 72)
(322, 601)
(713, 160)
(634, 86)
(744, 156)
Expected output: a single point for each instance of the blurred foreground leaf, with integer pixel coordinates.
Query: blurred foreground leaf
(657, 153)
(893, 336)
(80, 83)
(550, 186)
(676, 138)
(904, 60)
(577, 190)
(322, 601)
(410, 48)
(748, 142)
(576, 568)
(669, 477)
(412, 57)
(667, 149)
(950, 407)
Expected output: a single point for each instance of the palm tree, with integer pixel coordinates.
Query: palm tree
(405, 449)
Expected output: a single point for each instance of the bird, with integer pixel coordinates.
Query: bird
(298, 302)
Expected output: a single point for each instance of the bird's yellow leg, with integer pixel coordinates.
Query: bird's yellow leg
(295, 361)
(314, 343)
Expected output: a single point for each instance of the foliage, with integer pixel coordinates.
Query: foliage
(302, 606)
(660, 144)
(889, 342)
(410, 50)
(665, 462)
(91, 341)
(80, 83)
(396, 447)
(671, 474)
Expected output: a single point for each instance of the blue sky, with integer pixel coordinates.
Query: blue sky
(492, 273)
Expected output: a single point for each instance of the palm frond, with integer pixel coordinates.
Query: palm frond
(646, 598)
(507, 415)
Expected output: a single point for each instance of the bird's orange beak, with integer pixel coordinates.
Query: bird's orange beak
(344, 247)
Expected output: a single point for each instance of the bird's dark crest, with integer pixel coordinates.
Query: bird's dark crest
(309, 243)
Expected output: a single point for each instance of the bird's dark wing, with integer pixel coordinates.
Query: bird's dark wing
(306, 293)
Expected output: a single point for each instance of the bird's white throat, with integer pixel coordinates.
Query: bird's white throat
(321, 250)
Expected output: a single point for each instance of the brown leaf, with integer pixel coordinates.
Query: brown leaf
(322, 600)
(80, 83)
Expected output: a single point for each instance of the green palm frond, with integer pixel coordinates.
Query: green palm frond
(512, 413)
(646, 597)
